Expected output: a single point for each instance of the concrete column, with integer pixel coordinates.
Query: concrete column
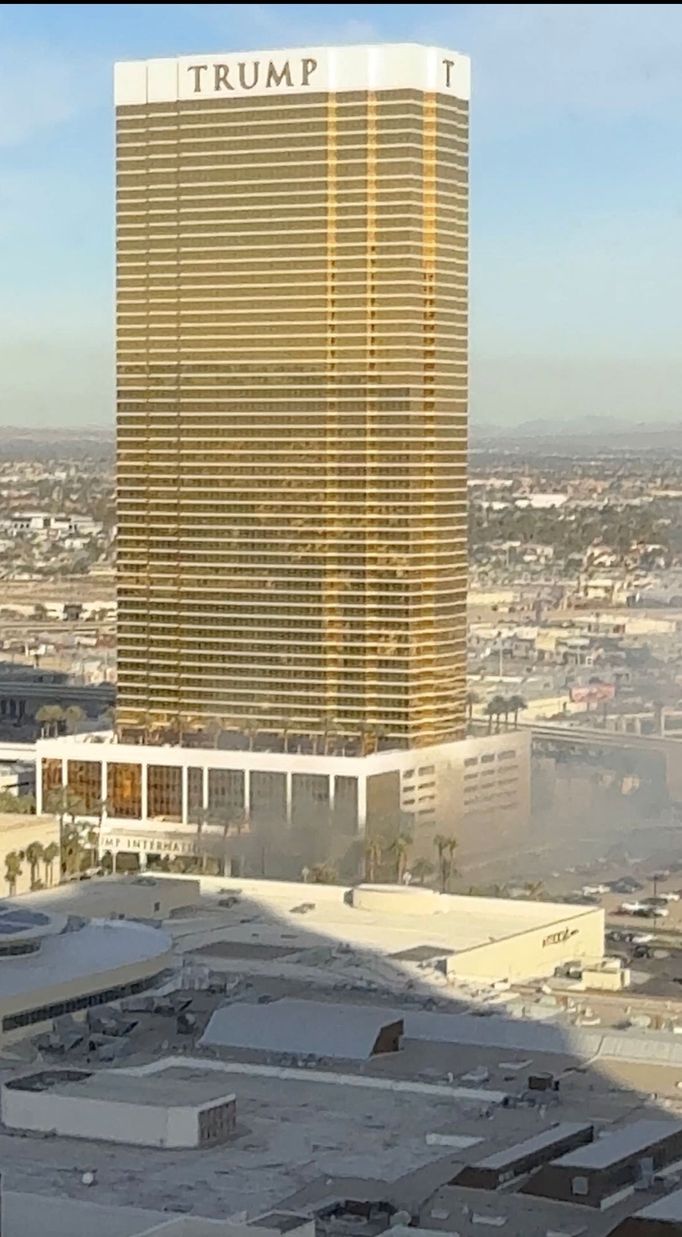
(39, 786)
(142, 855)
(204, 789)
(184, 783)
(362, 804)
(332, 791)
(143, 792)
(287, 780)
(65, 772)
(103, 783)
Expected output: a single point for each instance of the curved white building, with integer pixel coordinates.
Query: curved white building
(52, 965)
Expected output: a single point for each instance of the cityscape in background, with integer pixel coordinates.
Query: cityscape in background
(340, 777)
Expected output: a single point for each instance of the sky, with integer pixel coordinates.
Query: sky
(576, 194)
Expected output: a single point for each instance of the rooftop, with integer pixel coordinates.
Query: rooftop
(668, 1208)
(173, 1087)
(34, 1215)
(474, 1213)
(500, 1159)
(408, 918)
(317, 1028)
(94, 949)
(620, 1144)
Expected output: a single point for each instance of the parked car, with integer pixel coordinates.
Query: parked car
(631, 908)
(652, 912)
(625, 884)
(659, 899)
(592, 889)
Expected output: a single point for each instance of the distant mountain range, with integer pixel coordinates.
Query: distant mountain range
(585, 432)
(580, 434)
(45, 443)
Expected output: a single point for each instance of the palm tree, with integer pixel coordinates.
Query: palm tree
(25, 805)
(12, 871)
(50, 716)
(494, 709)
(102, 808)
(329, 729)
(322, 874)
(498, 891)
(214, 728)
(399, 848)
(73, 716)
(451, 848)
(471, 699)
(71, 850)
(516, 705)
(50, 853)
(107, 862)
(204, 817)
(373, 856)
(92, 840)
(370, 737)
(535, 890)
(422, 870)
(440, 842)
(63, 802)
(446, 847)
(34, 853)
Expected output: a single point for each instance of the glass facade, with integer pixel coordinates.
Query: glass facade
(292, 399)
(84, 779)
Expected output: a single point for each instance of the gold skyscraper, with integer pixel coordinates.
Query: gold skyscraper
(292, 396)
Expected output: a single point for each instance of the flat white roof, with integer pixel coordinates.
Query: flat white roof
(517, 1151)
(225, 76)
(96, 949)
(620, 1144)
(169, 1088)
(448, 923)
(668, 1208)
(44, 1215)
(319, 1028)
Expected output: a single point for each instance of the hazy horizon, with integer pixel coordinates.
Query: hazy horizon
(575, 208)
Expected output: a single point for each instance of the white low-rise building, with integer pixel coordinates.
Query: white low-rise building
(175, 1108)
(51, 965)
(478, 787)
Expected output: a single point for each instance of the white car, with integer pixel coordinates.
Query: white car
(632, 908)
(669, 897)
(641, 938)
(595, 889)
(654, 912)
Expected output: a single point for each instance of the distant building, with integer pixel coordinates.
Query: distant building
(541, 502)
(478, 789)
(66, 969)
(174, 1108)
(292, 376)
(292, 566)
